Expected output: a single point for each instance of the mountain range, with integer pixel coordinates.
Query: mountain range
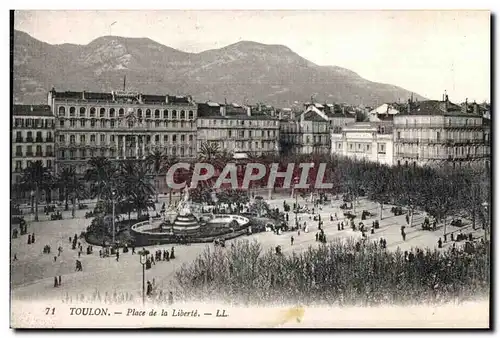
(244, 72)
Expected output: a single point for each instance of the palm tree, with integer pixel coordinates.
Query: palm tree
(34, 178)
(64, 181)
(136, 187)
(156, 159)
(209, 151)
(100, 174)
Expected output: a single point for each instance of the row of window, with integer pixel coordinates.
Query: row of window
(29, 151)
(29, 137)
(457, 151)
(112, 112)
(84, 154)
(221, 122)
(263, 145)
(73, 123)
(450, 122)
(20, 165)
(362, 147)
(223, 133)
(46, 123)
(113, 138)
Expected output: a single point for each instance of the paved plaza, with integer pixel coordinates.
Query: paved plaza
(32, 275)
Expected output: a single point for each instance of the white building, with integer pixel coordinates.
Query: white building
(365, 141)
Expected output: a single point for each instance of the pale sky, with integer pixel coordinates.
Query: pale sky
(422, 51)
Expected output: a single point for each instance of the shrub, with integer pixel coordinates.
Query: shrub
(332, 274)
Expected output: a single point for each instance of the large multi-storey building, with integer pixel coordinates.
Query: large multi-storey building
(237, 129)
(32, 138)
(433, 132)
(310, 131)
(370, 141)
(121, 125)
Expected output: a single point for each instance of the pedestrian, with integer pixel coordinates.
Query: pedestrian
(407, 219)
(100, 253)
(167, 255)
(298, 232)
(55, 259)
(133, 250)
(172, 255)
(55, 282)
(403, 234)
(70, 240)
(59, 280)
(291, 240)
(79, 254)
(317, 235)
(170, 298)
(440, 243)
(117, 255)
(29, 239)
(336, 217)
(149, 289)
(338, 226)
(59, 249)
(15, 257)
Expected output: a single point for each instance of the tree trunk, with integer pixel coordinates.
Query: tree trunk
(66, 197)
(32, 201)
(411, 217)
(169, 196)
(157, 183)
(444, 229)
(36, 203)
(381, 208)
(474, 219)
(74, 206)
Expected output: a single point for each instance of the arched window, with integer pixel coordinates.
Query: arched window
(102, 112)
(62, 111)
(92, 112)
(148, 113)
(72, 111)
(157, 113)
(165, 114)
(139, 113)
(82, 111)
(191, 115)
(174, 114)
(183, 114)
(121, 112)
(112, 112)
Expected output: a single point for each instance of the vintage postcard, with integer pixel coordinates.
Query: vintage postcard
(250, 169)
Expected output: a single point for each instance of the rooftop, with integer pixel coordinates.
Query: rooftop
(32, 110)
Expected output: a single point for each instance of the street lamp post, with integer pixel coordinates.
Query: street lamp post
(143, 259)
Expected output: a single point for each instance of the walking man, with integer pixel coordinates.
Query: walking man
(291, 240)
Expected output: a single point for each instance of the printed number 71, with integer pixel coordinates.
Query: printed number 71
(50, 311)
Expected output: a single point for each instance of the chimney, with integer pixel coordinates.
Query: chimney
(31, 108)
(280, 114)
(475, 108)
(343, 110)
(223, 110)
(408, 107)
(292, 115)
(166, 99)
(446, 102)
(83, 95)
(249, 111)
(465, 107)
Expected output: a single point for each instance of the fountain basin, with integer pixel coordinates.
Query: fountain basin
(186, 228)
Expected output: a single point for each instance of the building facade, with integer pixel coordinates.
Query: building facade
(365, 141)
(32, 138)
(237, 129)
(121, 125)
(310, 131)
(436, 132)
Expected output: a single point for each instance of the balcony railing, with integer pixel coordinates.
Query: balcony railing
(19, 154)
(29, 139)
(29, 153)
(49, 139)
(49, 154)
(19, 140)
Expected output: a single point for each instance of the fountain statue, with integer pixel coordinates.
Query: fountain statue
(184, 206)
